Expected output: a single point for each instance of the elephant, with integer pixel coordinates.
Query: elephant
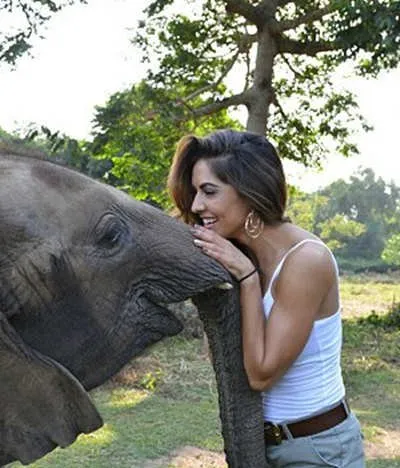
(86, 276)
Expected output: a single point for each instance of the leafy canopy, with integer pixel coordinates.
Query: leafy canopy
(277, 59)
(356, 218)
(391, 252)
(24, 19)
(137, 131)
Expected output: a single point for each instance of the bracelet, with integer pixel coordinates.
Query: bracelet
(248, 275)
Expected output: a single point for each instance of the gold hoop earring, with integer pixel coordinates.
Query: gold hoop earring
(253, 225)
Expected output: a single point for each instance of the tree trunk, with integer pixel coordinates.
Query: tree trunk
(261, 92)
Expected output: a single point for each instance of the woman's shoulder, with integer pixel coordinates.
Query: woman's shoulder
(309, 257)
(306, 242)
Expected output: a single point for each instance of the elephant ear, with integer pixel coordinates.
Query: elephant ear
(42, 405)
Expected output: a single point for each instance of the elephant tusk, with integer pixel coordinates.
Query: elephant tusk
(225, 285)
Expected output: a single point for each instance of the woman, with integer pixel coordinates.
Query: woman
(231, 187)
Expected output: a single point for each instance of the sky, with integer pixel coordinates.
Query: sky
(86, 56)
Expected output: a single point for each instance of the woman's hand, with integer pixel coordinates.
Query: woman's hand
(222, 250)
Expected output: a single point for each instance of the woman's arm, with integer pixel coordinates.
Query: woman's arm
(270, 346)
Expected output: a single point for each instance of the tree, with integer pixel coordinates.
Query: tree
(391, 252)
(367, 200)
(285, 52)
(304, 208)
(309, 212)
(24, 19)
(357, 219)
(136, 133)
(339, 230)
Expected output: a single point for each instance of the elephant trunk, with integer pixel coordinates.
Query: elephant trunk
(240, 406)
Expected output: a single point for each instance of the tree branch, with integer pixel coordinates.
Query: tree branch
(242, 8)
(268, 5)
(246, 41)
(282, 3)
(248, 71)
(208, 109)
(244, 45)
(216, 83)
(277, 104)
(305, 19)
(289, 65)
(308, 48)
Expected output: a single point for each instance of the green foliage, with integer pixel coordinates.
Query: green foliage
(391, 252)
(303, 209)
(360, 264)
(151, 379)
(312, 113)
(65, 150)
(289, 89)
(389, 320)
(357, 219)
(370, 33)
(366, 200)
(337, 231)
(24, 19)
(136, 133)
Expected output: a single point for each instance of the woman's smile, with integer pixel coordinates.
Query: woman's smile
(208, 222)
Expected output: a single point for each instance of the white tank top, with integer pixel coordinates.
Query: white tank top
(314, 381)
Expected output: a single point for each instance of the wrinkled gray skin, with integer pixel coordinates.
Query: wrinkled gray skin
(85, 273)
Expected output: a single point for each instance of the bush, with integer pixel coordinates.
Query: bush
(362, 265)
(389, 320)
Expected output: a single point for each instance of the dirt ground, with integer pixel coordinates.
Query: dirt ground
(189, 457)
(193, 457)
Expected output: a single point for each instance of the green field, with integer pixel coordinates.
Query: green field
(166, 400)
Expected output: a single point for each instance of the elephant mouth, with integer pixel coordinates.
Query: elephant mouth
(161, 318)
(165, 305)
(146, 317)
(162, 303)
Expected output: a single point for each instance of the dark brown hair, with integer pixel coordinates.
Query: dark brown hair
(246, 161)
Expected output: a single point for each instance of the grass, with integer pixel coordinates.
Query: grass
(362, 294)
(371, 365)
(164, 400)
(167, 399)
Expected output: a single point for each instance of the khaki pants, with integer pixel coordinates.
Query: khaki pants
(338, 447)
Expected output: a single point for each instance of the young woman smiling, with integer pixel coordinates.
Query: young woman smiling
(230, 186)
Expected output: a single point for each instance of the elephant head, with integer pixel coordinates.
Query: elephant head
(85, 275)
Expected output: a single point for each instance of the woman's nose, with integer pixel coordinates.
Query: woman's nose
(197, 204)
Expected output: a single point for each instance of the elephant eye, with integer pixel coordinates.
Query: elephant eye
(111, 233)
(110, 237)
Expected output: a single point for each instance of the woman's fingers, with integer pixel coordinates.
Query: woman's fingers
(221, 250)
(222, 253)
(205, 246)
(205, 234)
(213, 250)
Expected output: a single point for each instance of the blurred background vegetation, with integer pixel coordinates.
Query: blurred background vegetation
(219, 63)
(359, 218)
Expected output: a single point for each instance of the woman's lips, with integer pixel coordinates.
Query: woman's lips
(208, 222)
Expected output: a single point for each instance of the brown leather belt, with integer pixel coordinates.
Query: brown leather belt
(274, 433)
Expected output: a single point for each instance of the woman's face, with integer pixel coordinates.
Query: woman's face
(218, 204)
